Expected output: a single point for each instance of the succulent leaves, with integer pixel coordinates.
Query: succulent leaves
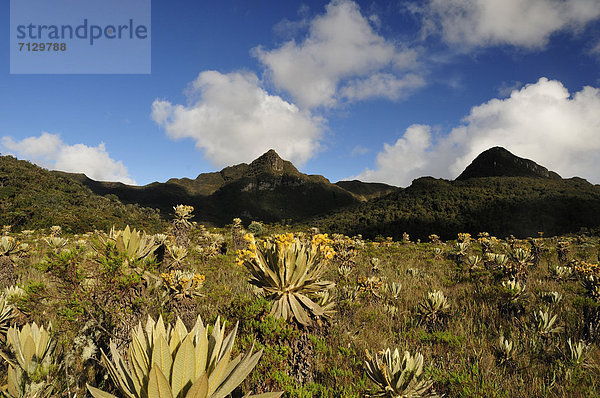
(289, 272)
(397, 376)
(165, 361)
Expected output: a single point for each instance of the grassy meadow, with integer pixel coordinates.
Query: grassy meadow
(479, 316)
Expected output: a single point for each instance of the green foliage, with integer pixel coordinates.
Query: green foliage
(33, 198)
(502, 206)
(441, 337)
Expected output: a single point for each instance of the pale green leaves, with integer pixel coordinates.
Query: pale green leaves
(291, 277)
(167, 361)
(397, 376)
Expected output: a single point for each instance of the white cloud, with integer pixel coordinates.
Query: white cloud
(49, 151)
(383, 85)
(522, 23)
(404, 158)
(234, 120)
(542, 122)
(341, 45)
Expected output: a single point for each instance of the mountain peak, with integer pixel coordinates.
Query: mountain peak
(271, 163)
(499, 162)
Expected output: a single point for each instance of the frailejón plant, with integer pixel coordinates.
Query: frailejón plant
(165, 361)
(289, 272)
(399, 376)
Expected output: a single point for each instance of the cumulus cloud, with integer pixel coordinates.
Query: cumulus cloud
(234, 120)
(541, 121)
(383, 85)
(522, 23)
(406, 157)
(341, 58)
(48, 150)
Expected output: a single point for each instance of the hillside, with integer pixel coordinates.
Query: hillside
(268, 189)
(366, 190)
(498, 193)
(521, 206)
(32, 197)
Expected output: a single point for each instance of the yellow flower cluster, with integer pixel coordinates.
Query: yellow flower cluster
(182, 281)
(321, 243)
(389, 241)
(284, 240)
(167, 277)
(198, 279)
(464, 237)
(587, 269)
(245, 255)
(370, 283)
(434, 238)
(328, 252)
(321, 240)
(183, 212)
(523, 247)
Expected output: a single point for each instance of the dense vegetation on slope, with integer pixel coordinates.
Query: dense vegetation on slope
(503, 206)
(31, 198)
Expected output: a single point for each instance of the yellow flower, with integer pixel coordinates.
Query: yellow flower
(464, 237)
(284, 240)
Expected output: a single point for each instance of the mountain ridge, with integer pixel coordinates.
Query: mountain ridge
(498, 193)
(499, 162)
(267, 189)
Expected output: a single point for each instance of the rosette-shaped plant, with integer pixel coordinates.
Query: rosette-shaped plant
(8, 245)
(7, 313)
(31, 362)
(399, 377)
(183, 283)
(183, 214)
(167, 361)
(434, 307)
(289, 272)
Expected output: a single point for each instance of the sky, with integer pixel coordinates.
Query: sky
(383, 91)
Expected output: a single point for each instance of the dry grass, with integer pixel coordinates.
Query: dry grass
(460, 348)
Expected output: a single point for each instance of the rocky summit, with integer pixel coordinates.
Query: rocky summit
(499, 162)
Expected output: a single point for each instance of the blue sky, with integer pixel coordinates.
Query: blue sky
(378, 90)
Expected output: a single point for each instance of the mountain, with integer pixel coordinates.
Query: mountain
(498, 193)
(268, 189)
(499, 162)
(32, 198)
